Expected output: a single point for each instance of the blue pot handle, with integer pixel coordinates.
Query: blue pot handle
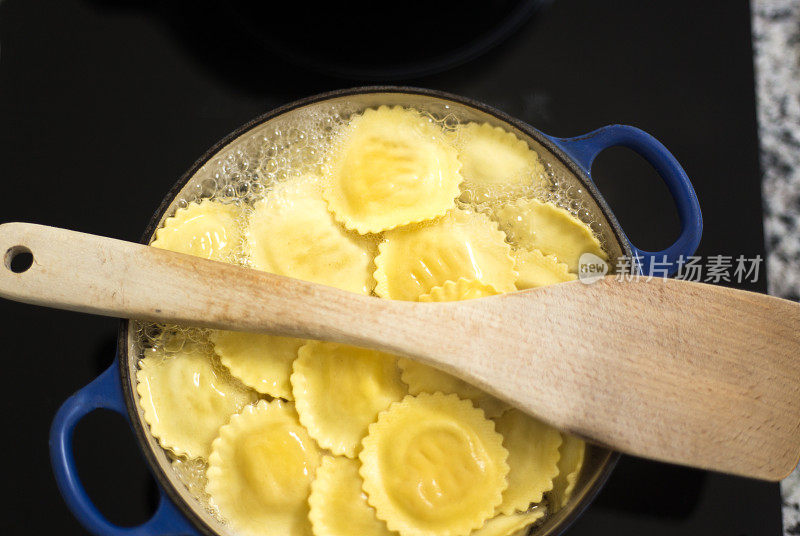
(105, 392)
(584, 149)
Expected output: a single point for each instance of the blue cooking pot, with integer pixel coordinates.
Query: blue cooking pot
(179, 513)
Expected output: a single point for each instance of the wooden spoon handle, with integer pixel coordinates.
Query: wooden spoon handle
(683, 372)
(92, 274)
(687, 373)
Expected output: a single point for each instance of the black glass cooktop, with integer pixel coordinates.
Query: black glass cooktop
(104, 104)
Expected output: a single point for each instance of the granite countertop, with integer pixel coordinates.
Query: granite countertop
(776, 42)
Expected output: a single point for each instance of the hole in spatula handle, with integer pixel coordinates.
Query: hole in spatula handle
(18, 259)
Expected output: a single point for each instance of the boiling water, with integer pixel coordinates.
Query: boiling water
(300, 147)
(294, 147)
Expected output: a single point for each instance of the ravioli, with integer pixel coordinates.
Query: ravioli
(463, 289)
(413, 260)
(186, 399)
(532, 456)
(433, 465)
(552, 230)
(422, 378)
(263, 362)
(506, 525)
(260, 471)
(391, 167)
(338, 504)
(401, 206)
(573, 452)
(495, 163)
(208, 229)
(538, 270)
(339, 391)
(291, 233)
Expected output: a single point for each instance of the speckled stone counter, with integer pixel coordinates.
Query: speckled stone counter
(776, 40)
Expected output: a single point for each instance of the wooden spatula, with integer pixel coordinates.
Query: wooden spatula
(681, 372)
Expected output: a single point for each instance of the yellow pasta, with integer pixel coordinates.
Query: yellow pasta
(260, 471)
(338, 504)
(339, 391)
(537, 270)
(573, 452)
(186, 399)
(495, 163)
(355, 441)
(263, 362)
(550, 229)
(391, 167)
(292, 233)
(433, 465)
(207, 229)
(414, 259)
(505, 525)
(426, 379)
(463, 289)
(532, 456)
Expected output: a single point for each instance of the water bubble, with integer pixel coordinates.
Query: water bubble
(151, 331)
(208, 187)
(242, 189)
(294, 137)
(450, 122)
(270, 166)
(256, 189)
(174, 341)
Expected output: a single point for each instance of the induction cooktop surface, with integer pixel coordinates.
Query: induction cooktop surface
(104, 104)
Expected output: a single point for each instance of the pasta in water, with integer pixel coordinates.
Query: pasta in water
(277, 436)
(260, 471)
(422, 378)
(433, 465)
(415, 259)
(463, 289)
(338, 504)
(573, 451)
(495, 163)
(506, 525)
(537, 270)
(391, 167)
(550, 229)
(533, 457)
(339, 391)
(186, 399)
(263, 362)
(207, 229)
(292, 233)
